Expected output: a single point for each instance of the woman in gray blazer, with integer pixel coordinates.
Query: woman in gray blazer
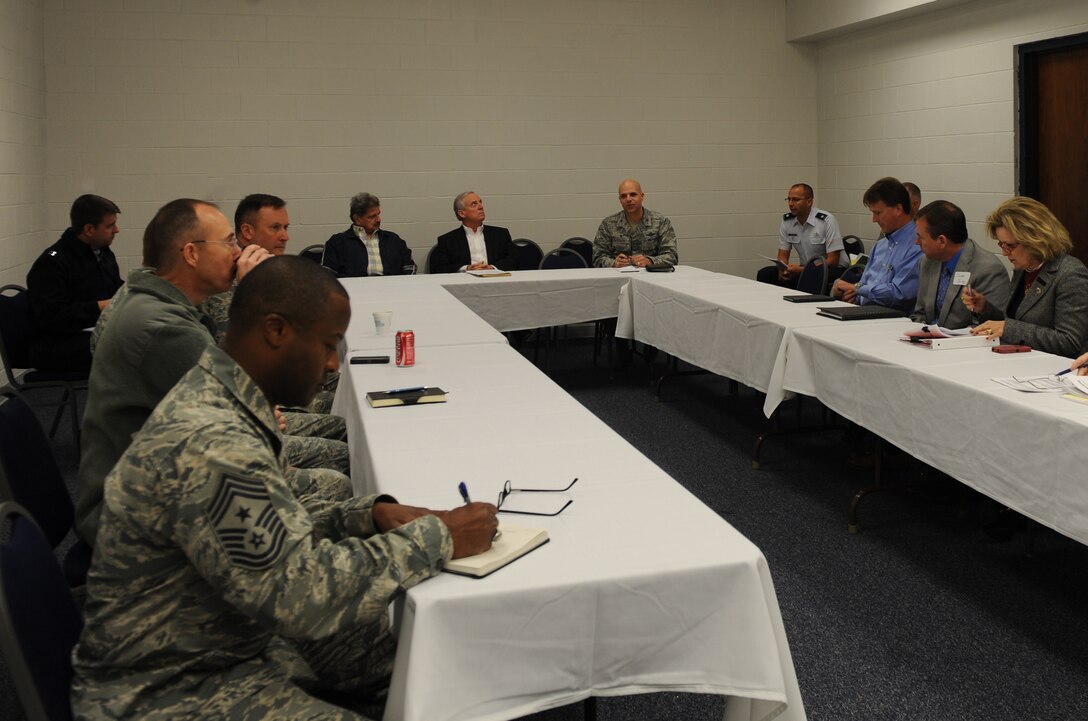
(1048, 306)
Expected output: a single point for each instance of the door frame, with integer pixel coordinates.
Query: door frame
(1027, 106)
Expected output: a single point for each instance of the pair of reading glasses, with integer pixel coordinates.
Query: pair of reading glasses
(507, 489)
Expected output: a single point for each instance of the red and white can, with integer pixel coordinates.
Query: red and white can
(406, 348)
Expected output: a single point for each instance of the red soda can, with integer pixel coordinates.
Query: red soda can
(406, 348)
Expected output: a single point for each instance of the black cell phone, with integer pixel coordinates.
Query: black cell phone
(359, 359)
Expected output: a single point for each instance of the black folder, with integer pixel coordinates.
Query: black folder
(808, 298)
(859, 312)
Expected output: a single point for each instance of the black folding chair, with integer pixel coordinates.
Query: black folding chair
(529, 254)
(584, 246)
(30, 477)
(40, 622)
(15, 328)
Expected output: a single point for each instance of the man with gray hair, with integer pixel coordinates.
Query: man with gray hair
(473, 246)
(365, 249)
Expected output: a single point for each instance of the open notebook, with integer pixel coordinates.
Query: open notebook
(512, 544)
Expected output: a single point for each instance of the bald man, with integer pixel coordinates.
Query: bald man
(635, 236)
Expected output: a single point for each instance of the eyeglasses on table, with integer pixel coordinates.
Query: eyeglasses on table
(508, 489)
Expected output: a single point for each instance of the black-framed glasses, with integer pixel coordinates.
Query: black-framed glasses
(507, 489)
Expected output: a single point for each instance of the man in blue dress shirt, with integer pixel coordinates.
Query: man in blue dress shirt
(891, 275)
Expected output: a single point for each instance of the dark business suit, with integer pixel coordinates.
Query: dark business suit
(345, 254)
(63, 289)
(451, 253)
(1052, 316)
(988, 276)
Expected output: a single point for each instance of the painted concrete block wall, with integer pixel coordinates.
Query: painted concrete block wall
(932, 100)
(540, 107)
(22, 139)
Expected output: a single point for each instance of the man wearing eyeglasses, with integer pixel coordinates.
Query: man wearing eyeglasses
(155, 334)
(808, 231)
(214, 592)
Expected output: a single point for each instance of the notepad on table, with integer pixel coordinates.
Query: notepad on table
(384, 399)
(488, 273)
(513, 543)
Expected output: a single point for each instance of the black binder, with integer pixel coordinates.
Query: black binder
(860, 312)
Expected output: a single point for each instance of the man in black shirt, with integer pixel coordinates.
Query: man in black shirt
(69, 285)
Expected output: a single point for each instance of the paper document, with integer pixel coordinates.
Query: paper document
(776, 261)
(1036, 384)
(936, 331)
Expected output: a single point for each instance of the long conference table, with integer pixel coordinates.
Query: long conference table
(641, 588)
(1025, 450)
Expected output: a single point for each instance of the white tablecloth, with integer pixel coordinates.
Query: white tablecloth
(521, 300)
(1025, 450)
(418, 305)
(642, 588)
(728, 325)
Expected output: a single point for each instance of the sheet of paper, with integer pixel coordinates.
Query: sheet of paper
(1035, 384)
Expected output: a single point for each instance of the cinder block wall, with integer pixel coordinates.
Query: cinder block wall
(540, 107)
(22, 139)
(930, 99)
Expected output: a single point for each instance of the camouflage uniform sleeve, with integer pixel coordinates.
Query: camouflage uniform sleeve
(241, 528)
(604, 253)
(666, 248)
(217, 307)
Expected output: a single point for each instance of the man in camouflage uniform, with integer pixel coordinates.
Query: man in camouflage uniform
(634, 236)
(215, 594)
(261, 219)
(154, 333)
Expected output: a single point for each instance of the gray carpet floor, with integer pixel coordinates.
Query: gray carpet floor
(918, 616)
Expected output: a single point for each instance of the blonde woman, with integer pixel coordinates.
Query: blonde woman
(1048, 307)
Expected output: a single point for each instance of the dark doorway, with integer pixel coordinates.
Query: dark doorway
(1053, 129)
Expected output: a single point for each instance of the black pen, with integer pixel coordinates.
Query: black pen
(1062, 373)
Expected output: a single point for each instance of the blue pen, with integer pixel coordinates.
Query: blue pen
(464, 491)
(1062, 373)
(407, 390)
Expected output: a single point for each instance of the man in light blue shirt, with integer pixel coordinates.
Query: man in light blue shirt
(891, 275)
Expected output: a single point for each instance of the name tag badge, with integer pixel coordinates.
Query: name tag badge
(962, 277)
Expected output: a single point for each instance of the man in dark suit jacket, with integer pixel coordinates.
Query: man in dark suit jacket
(69, 285)
(365, 249)
(473, 246)
(952, 256)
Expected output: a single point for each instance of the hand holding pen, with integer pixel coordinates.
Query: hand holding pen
(1080, 365)
(472, 526)
(975, 301)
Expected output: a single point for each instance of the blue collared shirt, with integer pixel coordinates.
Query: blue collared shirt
(891, 276)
